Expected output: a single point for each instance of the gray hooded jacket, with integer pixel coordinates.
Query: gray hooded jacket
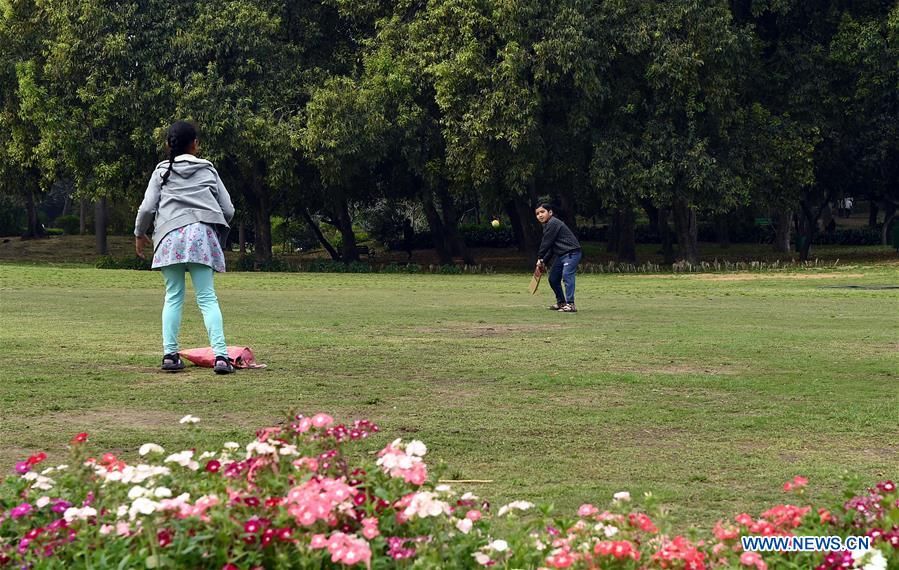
(193, 193)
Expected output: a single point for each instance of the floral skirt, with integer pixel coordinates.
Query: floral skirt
(195, 243)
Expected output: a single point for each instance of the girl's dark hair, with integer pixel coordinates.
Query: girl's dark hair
(178, 138)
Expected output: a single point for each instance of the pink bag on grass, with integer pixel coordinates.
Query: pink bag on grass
(241, 355)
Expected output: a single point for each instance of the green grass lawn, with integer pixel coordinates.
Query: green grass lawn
(708, 390)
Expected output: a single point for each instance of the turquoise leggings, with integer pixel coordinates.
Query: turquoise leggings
(201, 277)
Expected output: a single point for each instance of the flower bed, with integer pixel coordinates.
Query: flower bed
(291, 498)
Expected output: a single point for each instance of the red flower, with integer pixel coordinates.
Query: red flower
(35, 459)
(165, 537)
(80, 438)
(230, 566)
(213, 466)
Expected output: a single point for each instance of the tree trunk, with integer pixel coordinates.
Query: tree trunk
(665, 236)
(82, 217)
(35, 229)
(319, 235)
(889, 215)
(782, 231)
(530, 228)
(436, 226)
(348, 251)
(100, 224)
(612, 232)
(808, 223)
(66, 206)
(242, 237)
(451, 228)
(873, 210)
(570, 214)
(687, 231)
(723, 230)
(515, 222)
(626, 244)
(259, 201)
(651, 212)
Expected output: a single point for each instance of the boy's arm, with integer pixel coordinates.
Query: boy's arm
(546, 244)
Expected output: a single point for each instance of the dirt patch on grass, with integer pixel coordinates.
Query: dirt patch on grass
(677, 369)
(485, 330)
(85, 420)
(757, 276)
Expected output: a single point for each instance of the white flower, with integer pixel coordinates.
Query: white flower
(143, 506)
(42, 502)
(183, 459)
(417, 448)
(137, 491)
(121, 511)
(481, 558)
(469, 496)
(73, 513)
(261, 448)
(150, 448)
(872, 558)
(48, 470)
(622, 497)
(499, 545)
(610, 531)
(115, 476)
(207, 455)
(515, 505)
(43, 483)
(464, 525)
(62, 467)
(30, 476)
(425, 504)
(443, 489)
(232, 445)
(162, 492)
(189, 419)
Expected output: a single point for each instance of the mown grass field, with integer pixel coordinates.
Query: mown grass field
(708, 390)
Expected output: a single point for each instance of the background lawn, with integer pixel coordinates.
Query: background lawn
(709, 390)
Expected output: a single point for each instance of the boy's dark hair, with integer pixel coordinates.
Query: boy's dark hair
(178, 138)
(546, 206)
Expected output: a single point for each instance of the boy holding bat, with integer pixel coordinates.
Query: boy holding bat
(558, 241)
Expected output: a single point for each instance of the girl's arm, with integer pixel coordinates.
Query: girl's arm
(147, 210)
(224, 199)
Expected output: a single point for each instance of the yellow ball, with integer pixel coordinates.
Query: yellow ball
(495, 223)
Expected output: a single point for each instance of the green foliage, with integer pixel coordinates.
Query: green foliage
(69, 224)
(132, 262)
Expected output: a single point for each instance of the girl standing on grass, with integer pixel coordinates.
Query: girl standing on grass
(190, 210)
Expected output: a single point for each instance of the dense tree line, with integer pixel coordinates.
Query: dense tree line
(686, 110)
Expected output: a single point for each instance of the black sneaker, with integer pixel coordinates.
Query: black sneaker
(223, 365)
(172, 362)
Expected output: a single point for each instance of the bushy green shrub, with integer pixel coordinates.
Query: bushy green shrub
(132, 262)
(69, 224)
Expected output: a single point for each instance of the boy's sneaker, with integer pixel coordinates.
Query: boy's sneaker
(556, 306)
(568, 308)
(172, 362)
(223, 365)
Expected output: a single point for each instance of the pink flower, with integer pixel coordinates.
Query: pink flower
(318, 541)
(753, 559)
(321, 420)
(587, 510)
(560, 560)
(22, 510)
(473, 515)
(23, 467)
(370, 528)
(80, 438)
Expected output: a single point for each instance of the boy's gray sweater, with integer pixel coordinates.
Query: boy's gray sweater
(193, 193)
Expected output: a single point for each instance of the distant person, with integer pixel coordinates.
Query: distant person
(190, 210)
(559, 242)
(408, 238)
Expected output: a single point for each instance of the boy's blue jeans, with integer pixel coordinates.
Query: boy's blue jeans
(563, 270)
(201, 277)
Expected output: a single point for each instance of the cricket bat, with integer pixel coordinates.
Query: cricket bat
(535, 281)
